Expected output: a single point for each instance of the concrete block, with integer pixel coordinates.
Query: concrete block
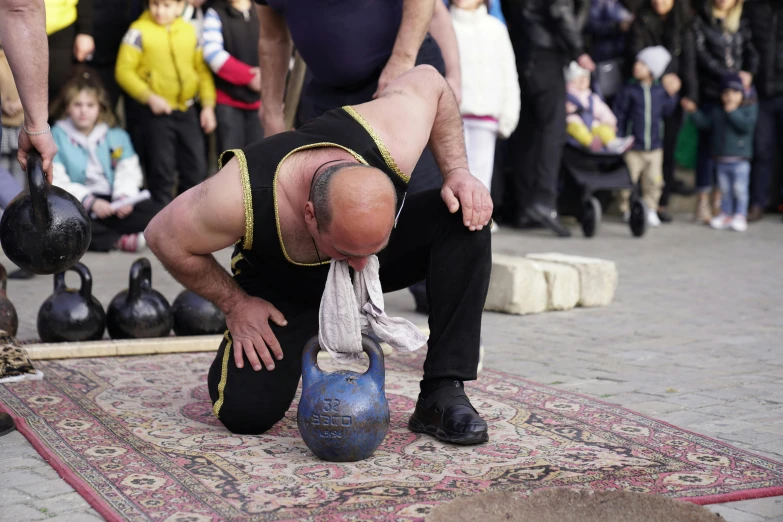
(562, 280)
(517, 286)
(597, 277)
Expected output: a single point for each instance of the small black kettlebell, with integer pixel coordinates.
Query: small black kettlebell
(194, 315)
(70, 315)
(139, 311)
(9, 321)
(44, 230)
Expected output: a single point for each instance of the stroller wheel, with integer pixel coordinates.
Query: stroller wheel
(638, 218)
(591, 217)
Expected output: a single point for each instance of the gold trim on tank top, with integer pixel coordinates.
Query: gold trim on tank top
(387, 157)
(234, 260)
(274, 192)
(223, 376)
(247, 196)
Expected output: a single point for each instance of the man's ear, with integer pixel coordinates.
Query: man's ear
(310, 213)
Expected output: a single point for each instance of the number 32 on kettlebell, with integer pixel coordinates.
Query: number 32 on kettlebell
(331, 405)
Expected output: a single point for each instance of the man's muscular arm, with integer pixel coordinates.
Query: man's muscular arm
(203, 220)
(23, 31)
(274, 54)
(416, 18)
(418, 109)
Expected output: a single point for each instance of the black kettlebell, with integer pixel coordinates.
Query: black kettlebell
(194, 315)
(139, 311)
(9, 321)
(44, 230)
(70, 315)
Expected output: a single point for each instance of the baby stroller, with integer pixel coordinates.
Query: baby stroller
(584, 172)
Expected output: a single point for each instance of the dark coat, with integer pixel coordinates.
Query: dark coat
(719, 53)
(550, 25)
(603, 27)
(649, 29)
(732, 132)
(640, 110)
(765, 18)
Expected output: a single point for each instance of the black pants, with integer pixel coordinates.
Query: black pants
(671, 126)
(174, 143)
(236, 128)
(60, 58)
(428, 241)
(106, 232)
(769, 128)
(537, 144)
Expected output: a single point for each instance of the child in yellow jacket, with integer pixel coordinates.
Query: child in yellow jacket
(161, 65)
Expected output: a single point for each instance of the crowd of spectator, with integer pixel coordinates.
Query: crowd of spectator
(524, 71)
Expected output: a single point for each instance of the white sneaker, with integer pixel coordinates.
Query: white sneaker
(626, 216)
(739, 223)
(620, 145)
(721, 222)
(652, 218)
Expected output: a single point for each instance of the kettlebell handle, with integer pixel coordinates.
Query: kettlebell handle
(140, 277)
(84, 274)
(38, 188)
(376, 371)
(311, 372)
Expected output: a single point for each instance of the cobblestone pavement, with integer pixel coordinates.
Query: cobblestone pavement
(694, 338)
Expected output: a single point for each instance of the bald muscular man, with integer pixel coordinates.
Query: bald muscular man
(336, 189)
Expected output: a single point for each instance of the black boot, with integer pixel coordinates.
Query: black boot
(21, 274)
(547, 216)
(7, 424)
(419, 291)
(448, 415)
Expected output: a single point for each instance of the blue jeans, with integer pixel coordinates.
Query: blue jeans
(734, 179)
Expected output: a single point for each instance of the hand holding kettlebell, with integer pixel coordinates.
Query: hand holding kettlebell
(248, 322)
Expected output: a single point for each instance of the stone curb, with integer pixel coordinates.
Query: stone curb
(550, 281)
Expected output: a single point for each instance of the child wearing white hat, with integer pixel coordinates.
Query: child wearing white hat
(641, 106)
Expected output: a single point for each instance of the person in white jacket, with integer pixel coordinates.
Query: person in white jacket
(490, 88)
(96, 163)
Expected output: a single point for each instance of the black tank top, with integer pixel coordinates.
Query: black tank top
(260, 262)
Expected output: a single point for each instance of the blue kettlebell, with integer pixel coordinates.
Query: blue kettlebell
(343, 416)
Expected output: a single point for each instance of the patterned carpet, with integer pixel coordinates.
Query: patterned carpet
(136, 437)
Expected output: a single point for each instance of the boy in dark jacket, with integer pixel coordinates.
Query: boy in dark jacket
(733, 125)
(640, 108)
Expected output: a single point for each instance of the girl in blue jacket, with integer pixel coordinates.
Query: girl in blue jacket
(96, 163)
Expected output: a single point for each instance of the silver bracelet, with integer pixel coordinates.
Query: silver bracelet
(38, 133)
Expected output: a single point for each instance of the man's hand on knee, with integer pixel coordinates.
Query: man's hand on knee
(461, 188)
(248, 322)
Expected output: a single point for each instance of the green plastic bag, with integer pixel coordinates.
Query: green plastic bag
(687, 145)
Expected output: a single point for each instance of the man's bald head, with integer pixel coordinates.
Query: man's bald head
(351, 197)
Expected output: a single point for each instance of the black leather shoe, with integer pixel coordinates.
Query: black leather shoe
(665, 217)
(7, 424)
(419, 291)
(448, 415)
(548, 217)
(21, 274)
(525, 222)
